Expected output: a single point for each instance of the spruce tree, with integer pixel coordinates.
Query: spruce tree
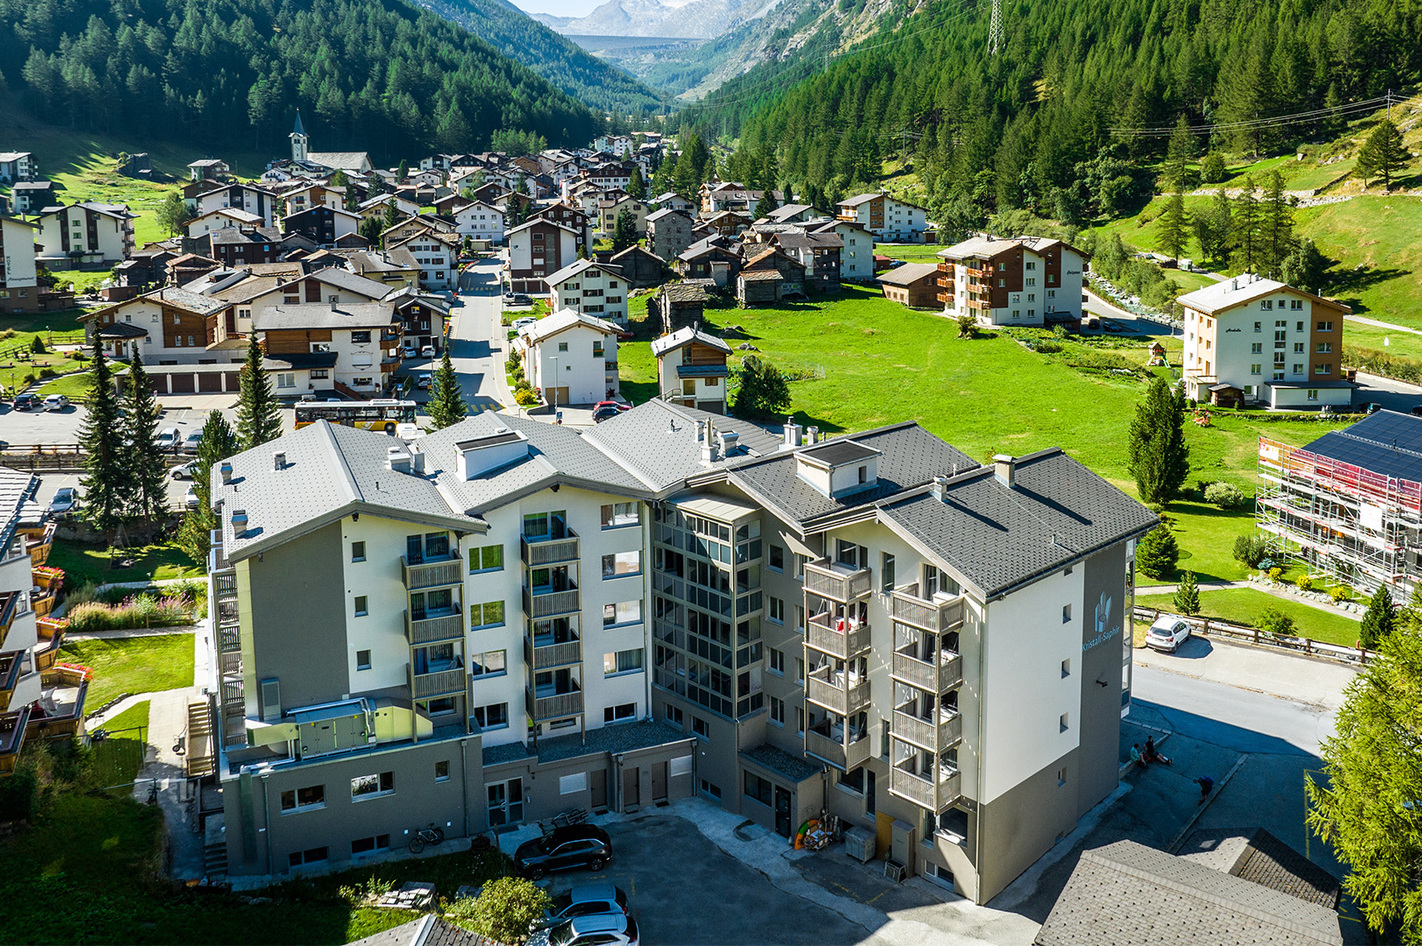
(1276, 224)
(218, 443)
(636, 187)
(1174, 226)
(105, 479)
(624, 232)
(1179, 170)
(1187, 595)
(258, 418)
(1158, 552)
(1384, 153)
(446, 406)
(1245, 227)
(147, 467)
(766, 204)
(1159, 457)
(1379, 620)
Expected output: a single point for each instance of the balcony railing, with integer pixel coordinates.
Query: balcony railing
(417, 575)
(946, 674)
(229, 639)
(9, 607)
(434, 627)
(846, 757)
(943, 731)
(12, 667)
(840, 692)
(554, 705)
(938, 616)
(224, 584)
(837, 582)
(550, 603)
(437, 683)
(229, 663)
(936, 796)
(12, 737)
(549, 551)
(842, 639)
(550, 654)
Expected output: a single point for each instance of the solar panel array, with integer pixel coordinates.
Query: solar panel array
(1386, 442)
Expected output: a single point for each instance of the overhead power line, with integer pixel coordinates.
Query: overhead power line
(1296, 118)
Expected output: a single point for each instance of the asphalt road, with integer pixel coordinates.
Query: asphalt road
(476, 345)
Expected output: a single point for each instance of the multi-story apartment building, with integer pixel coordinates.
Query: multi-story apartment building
(1015, 281)
(310, 346)
(505, 618)
(321, 224)
(438, 256)
(590, 287)
(668, 233)
(244, 246)
(856, 256)
(889, 219)
(169, 326)
(1262, 341)
(538, 249)
(17, 166)
(19, 287)
(248, 197)
(479, 221)
(86, 233)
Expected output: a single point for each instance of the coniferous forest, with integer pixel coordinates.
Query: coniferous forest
(375, 75)
(1052, 123)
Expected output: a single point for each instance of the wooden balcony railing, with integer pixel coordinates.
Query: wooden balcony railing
(823, 633)
(446, 571)
(550, 551)
(836, 753)
(439, 683)
(841, 693)
(937, 616)
(553, 706)
(837, 582)
(547, 655)
(551, 603)
(941, 732)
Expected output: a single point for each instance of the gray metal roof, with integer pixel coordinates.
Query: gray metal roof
(347, 280)
(998, 537)
(16, 490)
(324, 315)
(685, 336)
(1126, 893)
(657, 441)
(908, 274)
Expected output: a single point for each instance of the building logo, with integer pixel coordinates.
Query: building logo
(1102, 619)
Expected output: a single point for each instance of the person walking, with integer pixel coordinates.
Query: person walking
(1206, 783)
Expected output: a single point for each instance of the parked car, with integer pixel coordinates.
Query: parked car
(564, 848)
(169, 438)
(520, 324)
(584, 900)
(408, 352)
(603, 929)
(65, 501)
(192, 441)
(427, 352)
(56, 402)
(27, 402)
(1167, 633)
(617, 404)
(184, 471)
(601, 414)
(424, 382)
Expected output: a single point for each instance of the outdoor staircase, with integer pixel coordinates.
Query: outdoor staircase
(201, 749)
(214, 860)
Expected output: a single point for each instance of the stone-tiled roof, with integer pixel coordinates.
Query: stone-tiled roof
(685, 336)
(908, 274)
(1259, 857)
(657, 441)
(794, 768)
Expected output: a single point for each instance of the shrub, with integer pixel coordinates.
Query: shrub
(47, 372)
(1224, 495)
(1273, 621)
(1276, 573)
(1339, 594)
(504, 909)
(1251, 549)
(37, 345)
(1304, 582)
(142, 610)
(525, 397)
(967, 326)
(1158, 553)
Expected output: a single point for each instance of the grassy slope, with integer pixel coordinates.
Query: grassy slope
(133, 664)
(85, 564)
(1244, 605)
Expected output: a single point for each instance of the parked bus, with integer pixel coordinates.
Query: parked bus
(379, 414)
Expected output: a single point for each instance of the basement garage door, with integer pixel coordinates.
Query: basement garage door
(557, 396)
(210, 382)
(182, 383)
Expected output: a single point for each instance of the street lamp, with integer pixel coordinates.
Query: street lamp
(554, 387)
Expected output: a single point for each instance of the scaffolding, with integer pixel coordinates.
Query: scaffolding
(1356, 525)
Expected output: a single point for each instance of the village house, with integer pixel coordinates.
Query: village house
(422, 318)
(393, 267)
(208, 169)
(713, 259)
(856, 256)
(591, 288)
(169, 326)
(88, 233)
(680, 304)
(351, 347)
(537, 250)
(771, 276)
(19, 289)
(248, 197)
(221, 219)
(321, 224)
(565, 214)
(376, 206)
(354, 163)
(691, 369)
(312, 195)
(889, 219)
(912, 284)
(570, 357)
(1017, 281)
(438, 256)
(31, 197)
(668, 232)
(641, 268)
(819, 253)
(671, 200)
(612, 207)
(234, 246)
(727, 223)
(18, 166)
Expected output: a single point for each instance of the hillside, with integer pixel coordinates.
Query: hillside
(565, 64)
(376, 75)
(693, 19)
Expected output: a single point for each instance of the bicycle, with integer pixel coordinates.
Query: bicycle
(431, 835)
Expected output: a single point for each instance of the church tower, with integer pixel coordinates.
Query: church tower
(298, 140)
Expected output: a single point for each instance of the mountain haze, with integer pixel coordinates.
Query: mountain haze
(694, 19)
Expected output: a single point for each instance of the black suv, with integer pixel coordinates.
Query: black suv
(581, 845)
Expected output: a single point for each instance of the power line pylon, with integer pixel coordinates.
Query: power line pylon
(995, 29)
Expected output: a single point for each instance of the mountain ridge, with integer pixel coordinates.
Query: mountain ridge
(695, 19)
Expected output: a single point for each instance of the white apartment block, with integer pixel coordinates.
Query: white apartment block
(889, 219)
(438, 256)
(1262, 341)
(87, 233)
(1017, 281)
(479, 221)
(17, 166)
(591, 288)
(19, 287)
(856, 259)
(570, 357)
(505, 619)
(254, 200)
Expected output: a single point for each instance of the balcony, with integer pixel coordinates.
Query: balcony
(224, 585)
(936, 796)
(944, 730)
(836, 636)
(548, 603)
(942, 672)
(38, 543)
(544, 652)
(553, 705)
(838, 691)
(837, 582)
(431, 574)
(61, 711)
(447, 625)
(12, 737)
(51, 632)
(549, 550)
(13, 666)
(821, 742)
(9, 607)
(939, 615)
(447, 681)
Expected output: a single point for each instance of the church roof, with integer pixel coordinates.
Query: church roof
(298, 130)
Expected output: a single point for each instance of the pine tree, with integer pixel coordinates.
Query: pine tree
(1305, 268)
(218, 443)
(1365, 805)
(446, 406)
(1179, 170)
(1384, 153)
(1379, 620)
(636, 187)
(1158, 552)
(258, 418)
(624, 232)
(147, 467)
(766, 204)
(1174, 226)
(1276, 224)
(1245, 227)
(105, 479)
(371, 228)
(1187, 595)
(1159, 457)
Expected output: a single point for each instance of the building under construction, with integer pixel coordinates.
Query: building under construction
(1349, 504)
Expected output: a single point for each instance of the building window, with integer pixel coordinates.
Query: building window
(759, 789)
(492, 716)
(620, 713)
(361, 606)
(1313, 394)
(1254, 369)
(710, 791)
(303, 799)
(623, 661)
(1298, 369)
(622, 612)
(491, 663)
(1066, 668)
(616, 515)
(1298, 348)
(1323, 369)
(1258, 327)
(1324, 348)
(357, 551)
(800, 720)
(371, 786)
(489, 614)
(620, 564)
(315, 855)
(1257, 348)
(1061, 777)
(777, 711)
(1066, 614)
(442, 771)
(360, 338)
(487, 558)
(777, 660)
(777, 558)
(362, 660)
(372, 845)
(562, 346)
(675, 716)
(700, 727)
(1325, 326)
(775, 608)
(1062, 722)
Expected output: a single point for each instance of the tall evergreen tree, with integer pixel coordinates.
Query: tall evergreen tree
(624, 231)
(147, 467)
(1212, 227)
(1383, 154)
(1174, 226)
(636, 187)
(258, 417)
(1179, 168)
(105, 479)
(219, 442)
(1276, 225)
(766, 204)
(1245, 227)
(1159, 457)
(1379, 620)
(1305, 268)
(446, 406)
(1365, 805)
(1187, 595)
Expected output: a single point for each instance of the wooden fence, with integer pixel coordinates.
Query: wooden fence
(1252, 635)
(33, 459)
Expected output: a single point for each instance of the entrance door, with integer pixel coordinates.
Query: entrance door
(597, 789)
(782, 812)
(630, 794)
(505, 802)
(558, 396)
(659, 781)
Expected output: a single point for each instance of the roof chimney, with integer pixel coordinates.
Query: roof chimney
(226, 470)
(279, 459)
(730, 439)
(701, 431)
(939, 487)
(1004, 467)
(792, 434)
(814, 435)
(239, 522)
(397, 459)
(709, 453)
